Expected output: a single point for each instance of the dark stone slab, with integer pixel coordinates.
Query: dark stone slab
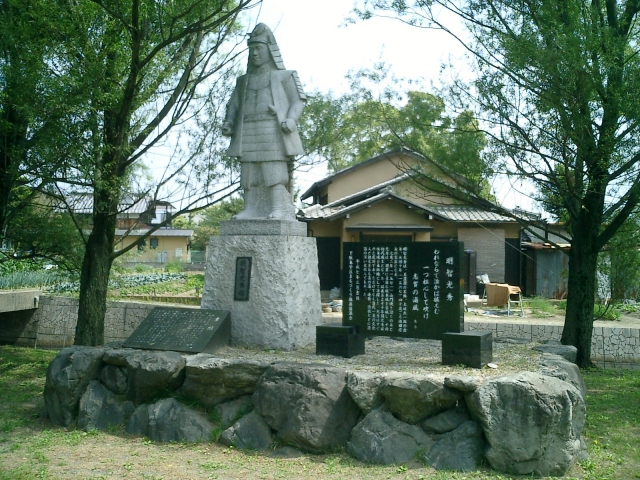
(182, 330)
(339, 340)
(473, 349)
(243, 279)
(403, 289)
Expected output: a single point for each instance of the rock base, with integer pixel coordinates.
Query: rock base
(283, 305)
(526, 423)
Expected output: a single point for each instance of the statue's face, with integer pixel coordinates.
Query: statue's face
(258, 54)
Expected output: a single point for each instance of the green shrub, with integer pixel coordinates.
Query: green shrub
(175, 266)
(195, 282)
(142, 268)
(541, 306)
(30, 279)
(605, 312)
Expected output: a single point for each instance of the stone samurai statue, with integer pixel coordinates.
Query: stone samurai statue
(261, 121)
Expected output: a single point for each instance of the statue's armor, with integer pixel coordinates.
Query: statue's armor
(262, 134)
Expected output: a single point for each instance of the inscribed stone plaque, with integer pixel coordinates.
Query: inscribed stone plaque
(182, 330)
(243, 279)
(403, 289)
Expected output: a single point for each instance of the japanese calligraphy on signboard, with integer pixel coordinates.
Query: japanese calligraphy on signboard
(404, 289)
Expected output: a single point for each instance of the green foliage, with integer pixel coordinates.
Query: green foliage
(210, 223)
(175, 266)
(38, 232)
(628, 308)
(29, 273)
(541, 306)
(606, 312)
(27, 279)
(620, 261)
(22, 374)
(612, 429)
(33, 99)
(124, 281)
(195, 282)
(357, 126)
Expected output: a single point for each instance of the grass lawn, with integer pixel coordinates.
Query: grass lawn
(32, 448)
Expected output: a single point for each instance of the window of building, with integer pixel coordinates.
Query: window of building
(141, 244)
(153, 243)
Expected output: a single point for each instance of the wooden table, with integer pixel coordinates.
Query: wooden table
(498, 294)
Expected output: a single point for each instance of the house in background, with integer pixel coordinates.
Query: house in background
(164, 245)
(139, 215)
(377, 201)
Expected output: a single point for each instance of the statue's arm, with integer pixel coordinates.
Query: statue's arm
(232, 110)
(296, 97)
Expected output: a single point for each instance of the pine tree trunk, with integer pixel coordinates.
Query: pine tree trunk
(94, 279)
(578, 324)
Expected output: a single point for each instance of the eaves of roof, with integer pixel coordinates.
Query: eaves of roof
(545, 246)
(333, 212)
(457, 214)
(462, 213)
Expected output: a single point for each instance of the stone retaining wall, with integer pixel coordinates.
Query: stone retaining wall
(53, 323)
(610, 347)
(529, 423)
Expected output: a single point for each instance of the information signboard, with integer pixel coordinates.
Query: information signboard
(182, 330)
(403, 289)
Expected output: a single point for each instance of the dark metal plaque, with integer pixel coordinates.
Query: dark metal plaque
(403, 289)
(243, 278)
(182, 330)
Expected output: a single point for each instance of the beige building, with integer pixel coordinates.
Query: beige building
(162, 246)
(377, 201)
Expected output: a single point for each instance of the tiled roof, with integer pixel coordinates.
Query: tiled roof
(447, 213)
(467, 214)
(336, 210)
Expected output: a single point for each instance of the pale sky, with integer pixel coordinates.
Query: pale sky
(315, 41)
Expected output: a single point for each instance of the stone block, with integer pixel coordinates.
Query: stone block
(473, 349)
(341, 341)
(283, 306)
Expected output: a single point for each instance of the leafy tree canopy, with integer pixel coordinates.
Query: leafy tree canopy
(353, 127)
(211, 217)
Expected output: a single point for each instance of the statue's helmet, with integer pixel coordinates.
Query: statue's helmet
(263, 34)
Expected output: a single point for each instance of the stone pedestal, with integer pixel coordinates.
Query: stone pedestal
(473, 349)
(339, 340)
(283, 303)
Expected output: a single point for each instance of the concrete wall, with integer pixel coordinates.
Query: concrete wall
(53, 324)
(610, 347)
